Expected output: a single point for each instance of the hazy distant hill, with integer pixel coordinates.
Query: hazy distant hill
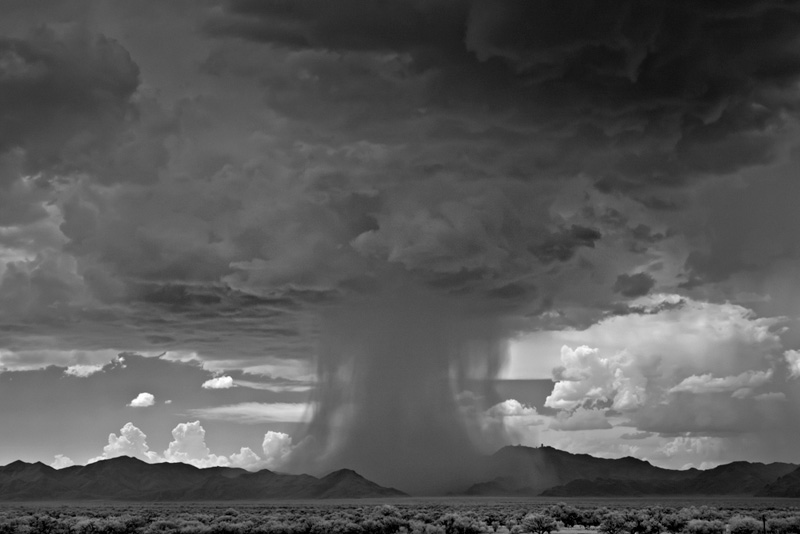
(786, 486)
(529, 471)
(127, 478)
(552, 472)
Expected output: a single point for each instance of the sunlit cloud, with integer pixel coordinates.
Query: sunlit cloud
(142, 400)
(219, 382)
(82, 371)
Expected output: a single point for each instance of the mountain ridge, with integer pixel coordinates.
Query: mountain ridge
(546, 471)
(130, 479)
(787, 485)
(510, 471)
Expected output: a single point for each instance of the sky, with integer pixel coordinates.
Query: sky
(394, 235)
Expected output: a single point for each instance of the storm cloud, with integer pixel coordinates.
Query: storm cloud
(370, 200)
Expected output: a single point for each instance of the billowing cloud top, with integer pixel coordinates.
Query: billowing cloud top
(501, 149)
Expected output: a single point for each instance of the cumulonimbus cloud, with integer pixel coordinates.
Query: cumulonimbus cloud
(482, 169)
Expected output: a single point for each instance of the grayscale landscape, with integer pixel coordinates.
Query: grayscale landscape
(400, 266)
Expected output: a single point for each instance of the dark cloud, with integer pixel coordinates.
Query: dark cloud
(659, 307)
(634, 285)
(64, 95)
(710, 415)
(640, 93)
(392, 25)
(644, 233)
(562, 246)
(745, 229)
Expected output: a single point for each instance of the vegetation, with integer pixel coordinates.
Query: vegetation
(425, 517)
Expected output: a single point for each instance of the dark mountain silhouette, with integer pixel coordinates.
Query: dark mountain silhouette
(552, 472)
(129, 479)
(357, 486)
(786, 486)
(739, 478)
(519, 470)
(510, 471)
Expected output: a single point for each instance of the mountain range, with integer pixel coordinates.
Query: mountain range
(552, 472)
(511, 471)
(129, 479)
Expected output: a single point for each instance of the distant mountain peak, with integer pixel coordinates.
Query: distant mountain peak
(19, 465)
(16, 464)
(348, 481)
(344, 472)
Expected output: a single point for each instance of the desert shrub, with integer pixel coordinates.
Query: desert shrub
(385, 519)
(230, 527)
(775, 525)
(784, 525)
(41, 523)
(386, 509)
(704, 512)
(388, 524)
(88, 525)
(674, 523)
(539, 524)
(455, 523)
(568, 515)
(613, 523)
(421, 527)
(703, 526)
(646, 521)
(744, 525)
(424, 516)
(344, 526)
(279, 527)
(338, 525)
(191, 526)
(492, 520)
(794, 524)
(592, 517)
(8, 526)
(635, 521)
(160, 526)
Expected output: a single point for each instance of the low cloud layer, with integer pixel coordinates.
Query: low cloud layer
(254, 413)
(736, 384)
